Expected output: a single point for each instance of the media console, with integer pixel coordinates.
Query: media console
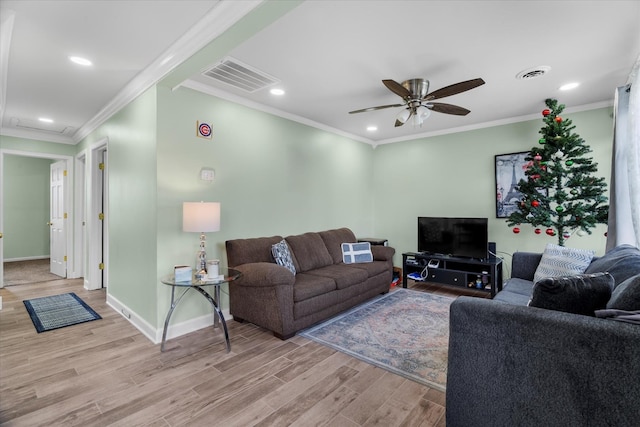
(462, 272)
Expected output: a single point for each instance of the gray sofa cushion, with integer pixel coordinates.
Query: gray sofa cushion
(622, 262)
(626, 296)
(581, 294)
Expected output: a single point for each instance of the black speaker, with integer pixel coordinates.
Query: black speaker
(491, 249)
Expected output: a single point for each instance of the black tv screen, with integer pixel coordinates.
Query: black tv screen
(460, 237)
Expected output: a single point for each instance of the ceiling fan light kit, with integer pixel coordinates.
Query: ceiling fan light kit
(417, 99)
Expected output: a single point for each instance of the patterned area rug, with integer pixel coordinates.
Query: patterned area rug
(58, 311)
(405, 332)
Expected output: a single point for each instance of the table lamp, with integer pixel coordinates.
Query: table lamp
(201, 217)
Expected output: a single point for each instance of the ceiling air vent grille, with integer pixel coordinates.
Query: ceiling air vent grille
(532, 73)
(232, 72)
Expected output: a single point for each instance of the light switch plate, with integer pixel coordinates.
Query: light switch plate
(207, 174)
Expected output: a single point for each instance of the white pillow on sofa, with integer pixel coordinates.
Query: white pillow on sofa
(355, 253)
(558, 261)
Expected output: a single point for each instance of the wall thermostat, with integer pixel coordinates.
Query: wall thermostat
(207, 174)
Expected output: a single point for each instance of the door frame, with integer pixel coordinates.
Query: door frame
(68, 206)
(95, 233)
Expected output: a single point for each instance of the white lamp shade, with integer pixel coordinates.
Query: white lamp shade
(201, 217)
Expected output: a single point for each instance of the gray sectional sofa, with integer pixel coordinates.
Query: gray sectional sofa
(511, 364)
(273, 297)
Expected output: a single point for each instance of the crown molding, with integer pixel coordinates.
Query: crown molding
(219, 19)
(36, 135)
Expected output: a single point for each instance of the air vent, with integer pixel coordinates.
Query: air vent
(532, 73)
(232, 72)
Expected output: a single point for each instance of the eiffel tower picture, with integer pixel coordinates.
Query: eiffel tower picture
(509, 171)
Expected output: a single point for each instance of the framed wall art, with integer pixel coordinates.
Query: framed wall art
(509, 171)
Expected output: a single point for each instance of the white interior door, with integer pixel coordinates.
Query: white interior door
(58, 242)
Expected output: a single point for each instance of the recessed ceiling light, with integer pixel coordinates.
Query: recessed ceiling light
(278, 92)
(569, 86)
(80, 61)
(45, 120)
(372, 128)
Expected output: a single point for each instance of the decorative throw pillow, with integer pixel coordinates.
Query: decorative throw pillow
(282, 255)
(353, 253)
(581, 294)
(558, 261)
(626, 295)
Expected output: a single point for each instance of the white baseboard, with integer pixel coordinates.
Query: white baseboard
(27, 258)
(155, 334)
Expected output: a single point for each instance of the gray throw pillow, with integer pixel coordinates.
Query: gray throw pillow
(626, 295)
(621, 262)
(581, 294)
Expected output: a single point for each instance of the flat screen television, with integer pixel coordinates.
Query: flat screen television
(459, 237)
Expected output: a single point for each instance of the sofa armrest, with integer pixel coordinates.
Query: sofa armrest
(261, 274)
(524, 264)
(382, 253)
(525, 366)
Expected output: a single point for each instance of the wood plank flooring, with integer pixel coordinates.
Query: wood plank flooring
(106, 373)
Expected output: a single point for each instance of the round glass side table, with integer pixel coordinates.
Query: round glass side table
(200, 285)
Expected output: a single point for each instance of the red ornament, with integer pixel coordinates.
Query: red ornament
(537, 157)
(535, 203)
(546, 112)
(558, 119)
(550, 231)
(516, 230)
(537, 231)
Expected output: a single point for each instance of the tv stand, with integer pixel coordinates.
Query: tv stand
(454, 271)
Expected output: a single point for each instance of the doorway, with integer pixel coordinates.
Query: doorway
(65, 200)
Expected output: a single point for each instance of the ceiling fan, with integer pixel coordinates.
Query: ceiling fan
(417, 100)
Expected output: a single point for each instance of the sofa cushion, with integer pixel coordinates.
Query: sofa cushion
(513, 298)
(518, 286)
(356, 253)
(581, 294)
(341, 274)
(309, 251)
(244, 251)
(334, 238)
(282, 255)
(558, 261)
(372, 268)
(626, 295)
(621, 262)
(311, 285)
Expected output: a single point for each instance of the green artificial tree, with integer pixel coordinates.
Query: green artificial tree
(559, 192)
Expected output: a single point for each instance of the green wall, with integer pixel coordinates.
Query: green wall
(272, 177)
(132, 204)
(26, 207)
(454, 175)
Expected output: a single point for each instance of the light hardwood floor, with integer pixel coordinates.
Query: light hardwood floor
(107, 373)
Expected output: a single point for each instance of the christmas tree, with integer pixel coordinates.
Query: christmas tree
(560, 192)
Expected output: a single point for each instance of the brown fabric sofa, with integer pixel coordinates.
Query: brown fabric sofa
(271, 296)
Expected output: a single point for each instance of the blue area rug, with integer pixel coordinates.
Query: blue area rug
(405, 332)
(58, 311)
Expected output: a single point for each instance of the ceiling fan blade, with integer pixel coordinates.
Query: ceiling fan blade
(441, 107)
(380, 107)
(454, 89)
(397, 88)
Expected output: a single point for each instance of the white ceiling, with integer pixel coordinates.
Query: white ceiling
(329, 57)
